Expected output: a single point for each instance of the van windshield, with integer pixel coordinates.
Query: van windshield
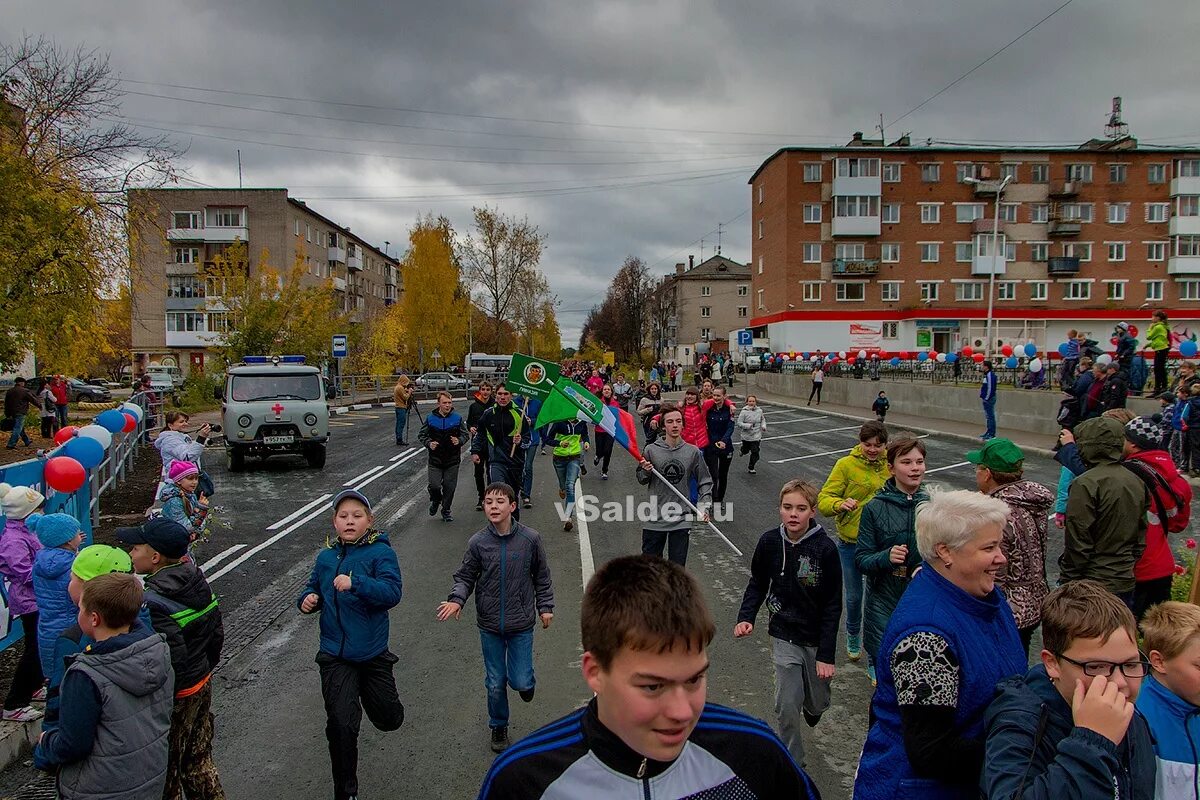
(248, 388)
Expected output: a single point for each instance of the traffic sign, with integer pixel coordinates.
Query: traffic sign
(340, 347)
(745, 337)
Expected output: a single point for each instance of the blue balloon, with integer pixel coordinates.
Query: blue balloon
(1011, 362)
(895, 361)
(806, 356)
(1063, 349)
(1187, 348)
(112, 420)
(87, 452)
(922, 356)
(952, 357)
(1031, 349)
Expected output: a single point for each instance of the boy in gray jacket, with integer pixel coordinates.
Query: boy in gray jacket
(751, 423)
(680, 464)
(505, 565)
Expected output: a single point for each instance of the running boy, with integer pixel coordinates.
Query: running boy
(355, 664)
(648, 731)
(442, 434)
(680, 463)
(501, 436)
(1170, 697)
(796, 570)
(880, 406)
(505, 566)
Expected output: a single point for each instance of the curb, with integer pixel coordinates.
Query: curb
(336, 410)
(17, 740)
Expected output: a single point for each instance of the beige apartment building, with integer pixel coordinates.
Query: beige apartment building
(177, 232)
(707, 301)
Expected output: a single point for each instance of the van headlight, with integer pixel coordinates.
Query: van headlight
(310, 419)
(245, 421)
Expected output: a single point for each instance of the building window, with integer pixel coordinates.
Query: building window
(760, 265)
(812, 291)
(1079, 172)
(964, 171)
(1156, 173)
(1039, 290)
(1187, 205)
(1009, 171)
(743, 291)
(812, 173)
(307, 232)
(1006, 290)
(743, 311)
(1077, 290)
(1039, 173)
(850, 252)
(929, 292)
(1189, 290)
(1010, 251)
(964, 251)
(760, 229)
(1154, 290)
(858, 167)
(218, 323)
(1118, 213)
(968, 212)
(1116, 290)
(1039, 251)
(931, 173)
(931, 213)
(760, 193)
(1187, 246)
(185, 322)
(706, 334)
(1080, 250)
(1157, 212)
(1117, 173)
(1187, 168)
(968, 291)
(186, 220)
(225, 217)
(1008, 212)
(1156, 251)
(856, 206)
(706, 291)
(891, 213)
(185, 286)
(761, 307)
(891, 172)
(929, 252)
(1116, 252)
(889, 292)
(1077, 212)
(812, 252)
(1039, 213)
(812, 212)
(851, 292)
(187, 255)
(889, 253)
(891, 330)
(706, 311)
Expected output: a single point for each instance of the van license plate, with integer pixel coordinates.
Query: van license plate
(278, 439)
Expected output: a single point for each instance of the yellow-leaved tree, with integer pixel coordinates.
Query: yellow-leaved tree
(434, 308)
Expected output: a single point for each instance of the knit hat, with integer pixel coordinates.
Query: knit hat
(100, 559)
(1124, 326)
(1145, 433)
(53, 530)
(181, 469)
(18, 502)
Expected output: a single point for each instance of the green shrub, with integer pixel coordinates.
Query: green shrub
(1181, 585)
(196, 394)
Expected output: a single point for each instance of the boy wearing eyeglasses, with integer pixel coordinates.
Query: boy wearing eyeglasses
(1068, 729)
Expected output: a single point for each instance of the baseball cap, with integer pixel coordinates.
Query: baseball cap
(164, 535)
(999, 455)
(100, 559)
(351, 494)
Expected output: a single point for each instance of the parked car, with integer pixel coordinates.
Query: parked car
(81, 392)
(441, 381)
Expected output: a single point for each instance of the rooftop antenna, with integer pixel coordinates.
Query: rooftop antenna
(720, 225)
(701, 251)
(1116, 127)
(882, 138)
(239, 152)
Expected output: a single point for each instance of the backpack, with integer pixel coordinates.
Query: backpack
(1153, 481)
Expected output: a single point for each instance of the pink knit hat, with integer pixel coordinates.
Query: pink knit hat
(181, 469)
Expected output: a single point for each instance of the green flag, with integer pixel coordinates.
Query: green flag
(559, 406)
(531, 377)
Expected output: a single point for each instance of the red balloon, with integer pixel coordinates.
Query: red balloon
(1133, 330)
(904, 355)
(968, 350)
(1006, 350)
(933, 355)
(130, 422)
(65, 474)
(65, 434)
(1114, 341)
(978, 358)
(851, 359)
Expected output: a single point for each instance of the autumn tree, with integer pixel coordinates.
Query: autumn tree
(434, 309)
(545, 338)
(501, 256)
(622, 321)
(382, 345)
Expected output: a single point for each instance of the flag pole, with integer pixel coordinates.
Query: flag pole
(524, 420)
(654, 471)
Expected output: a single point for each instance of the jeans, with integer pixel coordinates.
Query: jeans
(18, 431)
(989, 415)
(401, 424)
(61, 412)
(676, 543)
(527, 472)
(507, 661)
(567, 470)
(349, 688)
(852, 580)
(28, 676)
(481, 474)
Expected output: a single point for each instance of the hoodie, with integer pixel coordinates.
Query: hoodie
(677, 463)
(853, 477)
(1023, 576)
(1064, 762)
(1106, 511)
(1175, 725)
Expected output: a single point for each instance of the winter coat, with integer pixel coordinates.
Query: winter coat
(18, 546)
(60, 392)
(46, 402)
(888, 519)
(493, 435)
(17, 401)
(177, 446)
(1171, 494)
(678, 464)
(354, 623)
(1023, 576)
(719, 422)
(594, 384)
(112, 742)
(184, 609)
(1157, 336)
(510, 577)
(1106, 511)
(439, 428)
(1175, 725)
(56, 611)
(695, 427)
(1083, 383)
(184, 508)
(1113, 392)
(1064, 762)
(881, 405)
(402, 395)
(751, 422)
(852, 477)
(1126, 345)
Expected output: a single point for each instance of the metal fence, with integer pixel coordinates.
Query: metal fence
(353, 389)
(964, 373)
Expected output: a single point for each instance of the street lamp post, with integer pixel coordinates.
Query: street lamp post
(987, 345)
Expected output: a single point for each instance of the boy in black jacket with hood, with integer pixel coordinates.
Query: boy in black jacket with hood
(797, 571)
(482, 402)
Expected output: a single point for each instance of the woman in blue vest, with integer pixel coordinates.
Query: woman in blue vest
(951, 639)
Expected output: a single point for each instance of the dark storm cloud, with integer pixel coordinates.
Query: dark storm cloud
(812, 71)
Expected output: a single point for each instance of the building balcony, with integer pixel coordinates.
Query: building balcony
(337, 254)
(185, 234)
(339, 284)
(983, 265)
(985, 225)
(1064, 189)
(1183, 265)
(354, 263)
(210, 235)
(191, 338)
(186, 303)
(390, 278)
(1062, 265)
(1184, 226)
(856, 226)
(860, 266)
(1185, 185)
(857, 186)
(1064, 227)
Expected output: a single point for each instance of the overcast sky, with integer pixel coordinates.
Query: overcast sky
(618, 127)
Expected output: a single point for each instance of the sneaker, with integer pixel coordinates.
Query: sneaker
(446, 517)
(568, 525)
(603, 476)
(433, 507)
(527, 694)
(543, 451)
(582, 469)
(811, 719)
(40, 695)
(753, 471)
(596, 461)
(562, 494)
(853, 647)
(499, 738)
(527, 503)
(871, 674)
(26, 714)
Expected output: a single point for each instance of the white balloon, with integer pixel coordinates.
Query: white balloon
(98, 433)
(1035, 365)
(1103, 360)
(862, 353)
(814, 359)
(941, 358)
(842, 354)
(785, 357)
(133, 408)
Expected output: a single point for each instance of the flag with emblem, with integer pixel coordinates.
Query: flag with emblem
(568, 400)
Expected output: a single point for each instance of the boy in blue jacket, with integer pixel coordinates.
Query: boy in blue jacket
(354, 583)
(1170, 698)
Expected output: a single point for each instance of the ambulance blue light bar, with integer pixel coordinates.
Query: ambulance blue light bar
(273, 359)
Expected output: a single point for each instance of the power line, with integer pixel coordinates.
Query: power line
(967, 74)
(698, 239)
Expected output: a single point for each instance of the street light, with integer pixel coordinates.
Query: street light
(999, 186)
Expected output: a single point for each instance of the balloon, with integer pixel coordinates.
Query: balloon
(133, 408)
(1030, 350)
(904, 354)
(1011, 362)
(785, 357)
(1103, 360)
(1187, 348)
(1064, 348)
(862, 353)
(792, 356)
(851, 360)
(978, 358)
(968, 350)
(112, 420)
(941, 358)
(131, 422)
(1133, 331)
(100, 434)
(88, 452)
(841, 354)
(1035, 365)
(922, 356)
(65, 434)
(952, 357)
(64, 474)
(815, 359)
(895, 362)
(1006, 350)
(804, 356)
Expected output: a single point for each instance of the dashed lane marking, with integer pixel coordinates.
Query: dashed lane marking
(826, 453)
(219, 557)
(407, 457)
(298, 512)
(586, 561)
(950, 466)
(358, 478)
(810, 433)
(333, 424)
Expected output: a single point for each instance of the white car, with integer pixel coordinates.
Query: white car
(441, 381)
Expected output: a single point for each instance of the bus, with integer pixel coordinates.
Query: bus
(484, 364)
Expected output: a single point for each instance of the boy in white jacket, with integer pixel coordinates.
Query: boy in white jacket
(751, 422)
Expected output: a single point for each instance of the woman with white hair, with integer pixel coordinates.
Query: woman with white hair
(951, 639)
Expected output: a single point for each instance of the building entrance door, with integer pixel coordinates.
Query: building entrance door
(196, 363)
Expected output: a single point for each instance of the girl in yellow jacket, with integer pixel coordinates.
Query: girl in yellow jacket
(854, 480)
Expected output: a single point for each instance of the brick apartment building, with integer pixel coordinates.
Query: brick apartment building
(177, 232)
(891, 246)
(706, 301)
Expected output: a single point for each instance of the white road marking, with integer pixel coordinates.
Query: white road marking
(792, 421)
(810, 433)
(826, 453)
(399, 456)
(381, 473)
(358, 478)
(951, 466)
(792, 411)
(585, 541)
(297, 513)
(219, 557)
(341, 424)
(403, 510)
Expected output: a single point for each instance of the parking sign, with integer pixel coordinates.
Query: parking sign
(340, 349)
(745, 338)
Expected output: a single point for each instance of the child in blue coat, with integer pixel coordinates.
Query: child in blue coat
(353, 585)
(1170, 696)
(61, 536)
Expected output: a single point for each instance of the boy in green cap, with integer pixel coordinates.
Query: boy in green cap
(97, 559)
